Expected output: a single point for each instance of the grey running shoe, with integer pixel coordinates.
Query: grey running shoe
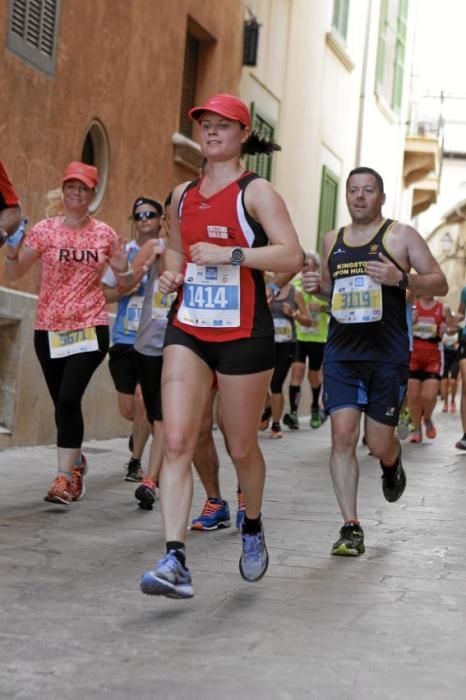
(394, 484)
(351, 541)
(255, 558)
(171, 579)
(403, 425)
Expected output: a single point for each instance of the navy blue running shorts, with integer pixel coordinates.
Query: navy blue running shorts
(243, 356)
(376, 388)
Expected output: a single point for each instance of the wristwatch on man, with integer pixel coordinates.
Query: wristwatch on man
(403, 283)
(236, 256)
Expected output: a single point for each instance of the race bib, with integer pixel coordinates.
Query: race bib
(315, 318)
(211, 296)
(425, 329)
(64, 343)
(357, 299)
(133, 313)
(283, 330)
(161, 304)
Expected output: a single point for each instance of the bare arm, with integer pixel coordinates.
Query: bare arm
(19, 262)
(172, 277)
(284, 252)
(412, 251)
(301, 315)
(319, 283)
(10, 219)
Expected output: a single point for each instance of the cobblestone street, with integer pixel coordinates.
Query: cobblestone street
(389, 624)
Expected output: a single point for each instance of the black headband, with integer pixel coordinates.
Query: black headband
(152, 202)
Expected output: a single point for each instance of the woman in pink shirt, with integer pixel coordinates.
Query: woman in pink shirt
(71, 331)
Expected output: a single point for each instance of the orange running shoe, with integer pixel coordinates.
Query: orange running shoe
(78, 488)
(60, 491)
(431, 431)
(415, 435)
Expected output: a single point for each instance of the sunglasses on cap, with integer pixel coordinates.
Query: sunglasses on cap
(141, 215)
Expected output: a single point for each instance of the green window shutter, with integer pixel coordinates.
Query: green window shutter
(261, 163)
(340, 17)
(328, 204)
(400, 50)
(382, 46)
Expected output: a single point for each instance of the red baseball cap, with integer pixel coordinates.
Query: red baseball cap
(227, 106)
(88, 174)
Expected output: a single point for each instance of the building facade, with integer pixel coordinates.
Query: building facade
(332, 85)
(110, 83)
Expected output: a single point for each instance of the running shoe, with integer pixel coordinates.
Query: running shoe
(78, 487)
(323, 415)
(445, 407)
(415, 435)
(276, 432)
(431, 431)
(315, 421)
(265, 419)
(453, 407)
(403, 424)
(134, 470)
(215, 515)
(241, 509)
(291, 420)
(394, 484)
(351, 541)
(170, 579)
(254, 558)
(60, 491)
(145, 494)
(461, 444)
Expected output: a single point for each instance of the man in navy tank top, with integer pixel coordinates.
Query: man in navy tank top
(366, 275)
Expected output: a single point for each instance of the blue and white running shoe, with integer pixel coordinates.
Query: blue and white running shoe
(215, 515)
(170, 579)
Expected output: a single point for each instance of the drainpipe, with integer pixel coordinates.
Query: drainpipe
(362, 95)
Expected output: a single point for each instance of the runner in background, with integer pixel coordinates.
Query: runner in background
(71, 336)
(146, 217)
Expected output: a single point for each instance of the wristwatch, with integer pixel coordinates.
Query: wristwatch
(236, 256)
(403, 283)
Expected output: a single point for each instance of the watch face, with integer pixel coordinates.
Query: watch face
(237, 255)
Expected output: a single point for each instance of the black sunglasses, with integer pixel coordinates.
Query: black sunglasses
(141, 215)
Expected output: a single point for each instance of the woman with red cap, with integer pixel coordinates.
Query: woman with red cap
(71, 336)
(231, 227)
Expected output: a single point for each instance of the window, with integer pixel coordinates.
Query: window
(328, 204)
(391, 52)
(32, 31)
(188, 94)
(95, 152)
(261, 163)
(340, 17)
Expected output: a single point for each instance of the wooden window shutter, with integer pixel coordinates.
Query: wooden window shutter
(32, 31)
(188, 94)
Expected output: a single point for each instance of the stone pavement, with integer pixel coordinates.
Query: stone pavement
(390, 624)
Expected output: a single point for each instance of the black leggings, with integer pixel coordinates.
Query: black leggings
(67, 379)
(284, 357)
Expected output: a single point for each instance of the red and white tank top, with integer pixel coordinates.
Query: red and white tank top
(222, 219)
